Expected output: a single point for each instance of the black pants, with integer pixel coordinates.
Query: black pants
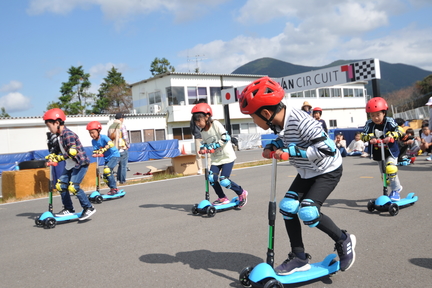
(317, 189)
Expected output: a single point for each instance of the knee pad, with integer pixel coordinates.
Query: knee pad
(59, 185)
(225, 182)
(391, 171)
(106, 174)
(309, 213)
(72, 188)
(289, 205)
(211, 178)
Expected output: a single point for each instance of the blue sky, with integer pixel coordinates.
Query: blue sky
(44, 38)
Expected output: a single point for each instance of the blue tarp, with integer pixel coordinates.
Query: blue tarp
(267, 138)
(137, 152)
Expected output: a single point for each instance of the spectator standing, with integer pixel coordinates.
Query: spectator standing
(117, 132)
(307, 107)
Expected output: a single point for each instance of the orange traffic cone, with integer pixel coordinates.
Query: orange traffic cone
(183, 150)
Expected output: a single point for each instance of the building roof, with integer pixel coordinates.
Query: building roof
(197, 74)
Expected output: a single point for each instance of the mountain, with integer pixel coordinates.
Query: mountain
(393, 76)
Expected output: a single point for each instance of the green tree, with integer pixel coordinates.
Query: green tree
(75, 98)
(4, 114)
(114, 94)
(161, 66)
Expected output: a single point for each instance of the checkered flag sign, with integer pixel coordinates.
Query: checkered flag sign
(367, 70)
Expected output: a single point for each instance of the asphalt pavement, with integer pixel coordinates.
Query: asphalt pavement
(150, 238)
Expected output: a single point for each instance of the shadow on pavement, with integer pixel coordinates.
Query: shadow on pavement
(175, 207)
(422, 262)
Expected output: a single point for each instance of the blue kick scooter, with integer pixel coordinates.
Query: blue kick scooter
(384, 203)
(47, 219)
(205, 206)
(263, 275)
(96, 196)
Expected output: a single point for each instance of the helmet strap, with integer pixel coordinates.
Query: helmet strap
(275, 128)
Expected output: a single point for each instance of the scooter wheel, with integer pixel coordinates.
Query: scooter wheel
(370, 206)
(273, 283)
(50, 223)
(211, 211)
(38, 222)
(98, 199)
(393, 209)
(194, 209)
(244, 276)
(90, 198)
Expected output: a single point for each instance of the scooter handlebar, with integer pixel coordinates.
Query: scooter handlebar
(97, 155)
(51, 163)
(284, 156)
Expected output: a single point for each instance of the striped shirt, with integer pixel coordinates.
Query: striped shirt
(302, 130)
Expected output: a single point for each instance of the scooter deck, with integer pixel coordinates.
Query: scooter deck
(232, 204)
(408, 200)
(94, 194)
(320, 269)
(71, 217)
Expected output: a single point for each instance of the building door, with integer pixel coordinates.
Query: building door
(135, 136)
(148, 135)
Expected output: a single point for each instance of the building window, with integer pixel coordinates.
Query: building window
(348, 92)
(310, 93)
(195, 94)
(215, 95)
(176, 95)
(182, 133)
(333, 123)
(235, 129)
(358, 92)
(155, 98)
(336, 92)
(324, 92)
(297, 94)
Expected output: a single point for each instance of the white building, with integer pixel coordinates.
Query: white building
(163, 106)
(176, 93)
(21, 135)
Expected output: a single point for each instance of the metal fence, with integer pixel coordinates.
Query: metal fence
(417, 113)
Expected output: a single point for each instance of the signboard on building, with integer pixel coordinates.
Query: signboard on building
(364, 70)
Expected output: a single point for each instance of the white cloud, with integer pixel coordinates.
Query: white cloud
(120, 10)
(318, 35)
(12, 86)
(14, 102)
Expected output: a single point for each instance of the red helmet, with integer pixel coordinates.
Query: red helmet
(94, 125)
(261, 92)
(203, 108)
(376, 104)
(317, 109)
(54, 114)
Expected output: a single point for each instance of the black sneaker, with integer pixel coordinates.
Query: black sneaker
(87, 213)
(293, 264)
(65, 212)
(346, 251)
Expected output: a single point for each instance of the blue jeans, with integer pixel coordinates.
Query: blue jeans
(225, 170)
(122, 168)
(75, 176)
(111, 165)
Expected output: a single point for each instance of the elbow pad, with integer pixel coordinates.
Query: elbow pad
(225, 137)
(110, 144)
